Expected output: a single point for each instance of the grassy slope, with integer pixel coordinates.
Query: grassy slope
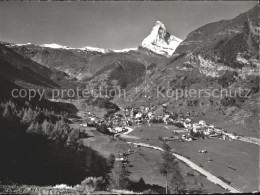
(240, 155)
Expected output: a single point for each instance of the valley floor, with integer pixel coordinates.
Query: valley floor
(235, 161)
(223, 154)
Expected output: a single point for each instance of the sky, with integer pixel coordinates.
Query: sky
(109, 25)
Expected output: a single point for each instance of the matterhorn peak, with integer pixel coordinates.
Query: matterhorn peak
(160, 41)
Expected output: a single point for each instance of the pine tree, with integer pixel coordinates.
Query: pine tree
(20, 114)
(73, 136)
(28, 116)
(47, 127)
(30, 129)
(37, 128)
(61, 130)
(34, 128)
(111, 160)
(176, 182)
(118, 177)
(170, 169)
(8, 113)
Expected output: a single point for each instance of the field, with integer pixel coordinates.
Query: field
(242, 156)
(105, 144)
(150, 134)
(235, 161)
(144, 162)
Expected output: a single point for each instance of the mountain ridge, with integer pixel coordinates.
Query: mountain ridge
(158, 41)
(219, 55)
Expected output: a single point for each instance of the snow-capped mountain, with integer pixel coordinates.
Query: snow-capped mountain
(87, 48)
(124, 50)
(160, 41)
(55, 46)
(82, 63)
(23, 44)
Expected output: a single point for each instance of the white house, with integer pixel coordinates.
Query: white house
(138, 115)
(202, 122)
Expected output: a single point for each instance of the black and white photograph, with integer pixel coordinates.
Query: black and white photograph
(129, 97)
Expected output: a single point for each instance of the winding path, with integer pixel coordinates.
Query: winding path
(251, 140)
(208, 175)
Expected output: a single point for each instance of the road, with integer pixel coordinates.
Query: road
(251, 140)
(194, 166)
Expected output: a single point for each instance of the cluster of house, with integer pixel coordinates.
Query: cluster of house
(129, 116)
(92, 119)
(204, 130)
(149, 115)
(112, 125)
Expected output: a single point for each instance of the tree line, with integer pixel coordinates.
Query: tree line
(15, 118)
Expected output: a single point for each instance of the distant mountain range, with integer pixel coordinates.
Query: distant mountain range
(159, 41)
(84, 63)
(223, 54)
(21, 69)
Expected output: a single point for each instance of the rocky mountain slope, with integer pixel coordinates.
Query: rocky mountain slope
(25, 72)
(70, 61)
(91, 64)
(216, 56)
(160, 41)
(220, 55)
(84, 63)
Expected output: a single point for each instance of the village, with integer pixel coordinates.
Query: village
(135, 135)
(128, 118)
(181, 129)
